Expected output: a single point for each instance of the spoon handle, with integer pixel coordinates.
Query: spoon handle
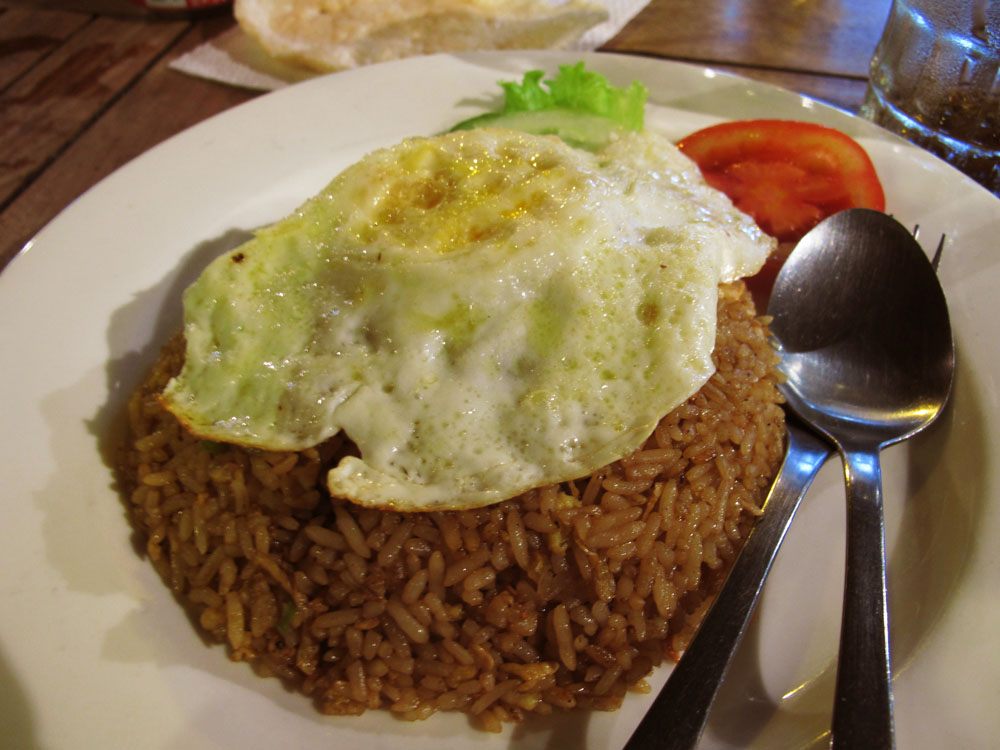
(677, 717)
(862, 709)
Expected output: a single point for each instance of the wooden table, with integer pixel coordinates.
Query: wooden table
(85, 84)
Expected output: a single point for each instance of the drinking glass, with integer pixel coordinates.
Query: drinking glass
(934, 80)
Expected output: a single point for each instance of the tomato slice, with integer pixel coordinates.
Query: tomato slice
(787, 175)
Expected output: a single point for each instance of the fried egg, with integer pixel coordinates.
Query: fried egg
(481, 313)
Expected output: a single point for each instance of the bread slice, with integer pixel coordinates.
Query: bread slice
(330, 35)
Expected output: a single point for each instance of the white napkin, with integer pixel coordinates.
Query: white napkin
(235, 58)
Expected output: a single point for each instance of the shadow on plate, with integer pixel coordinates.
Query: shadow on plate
(73, 501)
(18, 719)
(152, 317)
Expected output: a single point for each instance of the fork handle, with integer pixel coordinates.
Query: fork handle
(862, 710)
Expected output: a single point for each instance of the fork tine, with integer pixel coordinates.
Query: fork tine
(937, 253)
(940, 246)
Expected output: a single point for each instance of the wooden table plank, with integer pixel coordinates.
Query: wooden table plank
(48, 106)
(819, 36)
(162, 103)
(90, 7)
(26, 36)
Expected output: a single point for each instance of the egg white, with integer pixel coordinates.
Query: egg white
(480, 312)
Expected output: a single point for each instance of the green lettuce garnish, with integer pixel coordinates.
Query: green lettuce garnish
(577, 102)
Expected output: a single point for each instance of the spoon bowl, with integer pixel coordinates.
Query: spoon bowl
(862, 327)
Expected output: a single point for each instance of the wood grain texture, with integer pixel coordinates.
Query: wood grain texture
(125, 8)
(833, 37)
(47, 107)
(163, 103)
(27, 36)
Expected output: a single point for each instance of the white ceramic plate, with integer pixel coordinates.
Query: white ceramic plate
(94, 651)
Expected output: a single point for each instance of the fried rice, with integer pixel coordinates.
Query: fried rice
(565, 597)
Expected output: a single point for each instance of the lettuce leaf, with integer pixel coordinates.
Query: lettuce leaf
(573, 90)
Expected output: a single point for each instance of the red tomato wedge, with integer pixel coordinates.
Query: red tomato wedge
(787, 175)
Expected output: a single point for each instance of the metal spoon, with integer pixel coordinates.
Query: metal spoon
(678, 715)
(867, 351)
